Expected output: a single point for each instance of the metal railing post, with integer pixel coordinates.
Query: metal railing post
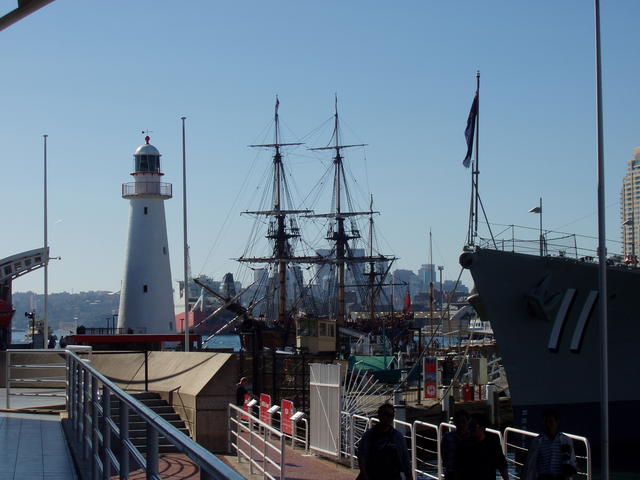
(86, 437)
(229, 428)
(8, 377)
(124, 436)
(264, 451)
(238, 433)
(251, 445)
(282, 461)
(152, 451)
(106, 433)
(439, 444)
(146, 371)
(76, 396)
(95, 447)
(352, 447)
(69, 386)
(414, 451)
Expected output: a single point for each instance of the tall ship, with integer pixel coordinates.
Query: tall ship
(302, 287)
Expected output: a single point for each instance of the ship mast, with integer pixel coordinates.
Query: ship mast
(278, 232)
(338, 233)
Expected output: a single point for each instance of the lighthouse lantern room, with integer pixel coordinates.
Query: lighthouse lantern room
(146, 297)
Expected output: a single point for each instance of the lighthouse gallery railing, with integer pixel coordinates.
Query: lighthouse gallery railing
(133, 189)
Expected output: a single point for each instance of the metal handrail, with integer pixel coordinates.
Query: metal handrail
(414, 457)
(351, 444)
(587, 458)
(294, 428)
(61, 379)
(439, 429)
(86, 404)
(244, 423)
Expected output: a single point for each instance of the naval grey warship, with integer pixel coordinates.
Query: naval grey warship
(543, 311)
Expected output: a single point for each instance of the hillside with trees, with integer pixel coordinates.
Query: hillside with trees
(91, 309)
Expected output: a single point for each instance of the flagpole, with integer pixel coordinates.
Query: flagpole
(45, 336)
(602, 269)
(186, 247)
(471, 237)
(476, 169)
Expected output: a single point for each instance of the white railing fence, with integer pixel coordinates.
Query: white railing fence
(260, 444)
(38, 372)
(424, 441)
(300, 429)
(355, 426)
(426, 458)
(516, 445)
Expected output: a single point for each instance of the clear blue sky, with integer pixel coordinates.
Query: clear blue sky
(93, 74)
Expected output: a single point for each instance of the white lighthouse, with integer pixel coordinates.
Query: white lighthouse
(146, 297)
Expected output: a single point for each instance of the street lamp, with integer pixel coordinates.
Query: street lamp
(630, 223)
(538, 210)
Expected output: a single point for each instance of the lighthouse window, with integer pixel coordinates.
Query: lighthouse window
(146, 210)
(145, 288)
(164, 250)
(147, 163)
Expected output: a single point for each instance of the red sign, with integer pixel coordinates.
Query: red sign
(286, 410)
(429, 378)
(265, 404)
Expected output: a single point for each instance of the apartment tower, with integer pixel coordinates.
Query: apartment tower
(630, 208)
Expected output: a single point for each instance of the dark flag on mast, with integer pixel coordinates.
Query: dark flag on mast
(469, 132)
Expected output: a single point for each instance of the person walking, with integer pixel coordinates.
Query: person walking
(241, 391)
(451, 442)
(480, 455)
(551, 455)
(382, 452)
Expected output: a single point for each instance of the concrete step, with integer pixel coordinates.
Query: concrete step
(169, 417)
(142, 432)
(138, 428)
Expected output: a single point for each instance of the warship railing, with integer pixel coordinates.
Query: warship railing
(256, 442)
(521, 239)
(516, 451)
(105, 443)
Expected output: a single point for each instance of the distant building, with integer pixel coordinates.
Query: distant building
(427, 274)
(449, 285)
(630, 205)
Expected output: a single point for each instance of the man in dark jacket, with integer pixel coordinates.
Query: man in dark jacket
(480, 455)
(382, 452)
(451, 442)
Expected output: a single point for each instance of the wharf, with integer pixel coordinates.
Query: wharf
(299, 466)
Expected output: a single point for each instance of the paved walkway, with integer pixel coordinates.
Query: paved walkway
(32, 446)
(299, 465)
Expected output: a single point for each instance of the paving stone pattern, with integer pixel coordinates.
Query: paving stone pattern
(32, 446)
